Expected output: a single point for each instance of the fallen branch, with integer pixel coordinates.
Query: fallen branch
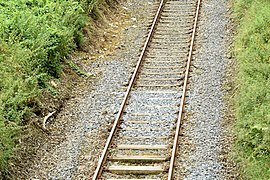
(46, 118)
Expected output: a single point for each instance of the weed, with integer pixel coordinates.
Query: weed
(77, 69)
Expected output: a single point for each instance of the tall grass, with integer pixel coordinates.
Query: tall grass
(252, 48)
(35, 37)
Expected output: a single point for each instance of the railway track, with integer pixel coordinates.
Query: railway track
(144, 137)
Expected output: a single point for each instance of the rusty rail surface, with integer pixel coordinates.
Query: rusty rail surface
(116, 122)
(185, 78)
(183, 99)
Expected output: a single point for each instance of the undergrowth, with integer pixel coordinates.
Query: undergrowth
(252, 49)
(35, 38)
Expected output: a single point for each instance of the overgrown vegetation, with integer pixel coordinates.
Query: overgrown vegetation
(252, 48)
(35, 37)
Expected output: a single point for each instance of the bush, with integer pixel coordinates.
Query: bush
(252, 47)
(35, 36)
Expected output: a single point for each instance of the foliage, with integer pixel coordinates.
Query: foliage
(252, 48)
(77, 69)
(35, 38)
(92, 6)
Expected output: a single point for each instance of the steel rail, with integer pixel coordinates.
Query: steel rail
(119, 115)
(183, 99)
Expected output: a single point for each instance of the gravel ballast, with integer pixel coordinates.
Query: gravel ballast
(202, 129)
(79, 132)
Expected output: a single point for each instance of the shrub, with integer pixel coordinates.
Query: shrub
(35, 36)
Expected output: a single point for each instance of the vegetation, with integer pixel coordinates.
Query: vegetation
(252, 48)
(35, 38)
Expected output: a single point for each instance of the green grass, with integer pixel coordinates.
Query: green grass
(35, 38)
(252, 49)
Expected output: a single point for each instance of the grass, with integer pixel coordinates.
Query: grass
(35, 38)
(252, 49)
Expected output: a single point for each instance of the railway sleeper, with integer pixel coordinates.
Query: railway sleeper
(160, 85)
(157, 52)
(181, 29)
(168, 57)
(139, 158)
(142, 147)
(167, 38)
(148, 124)
(180, 10)
(142, 122)
(161, 73)
(135, 169)
(165, 60)
(179, 14)
(160, 79)
(162, 67)
(146, 129)
(174, 20)
(145, 137)
(160, 46)
(166, 35)
(160, 63)
(133, 179)
(180, 3)
(150, 121)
